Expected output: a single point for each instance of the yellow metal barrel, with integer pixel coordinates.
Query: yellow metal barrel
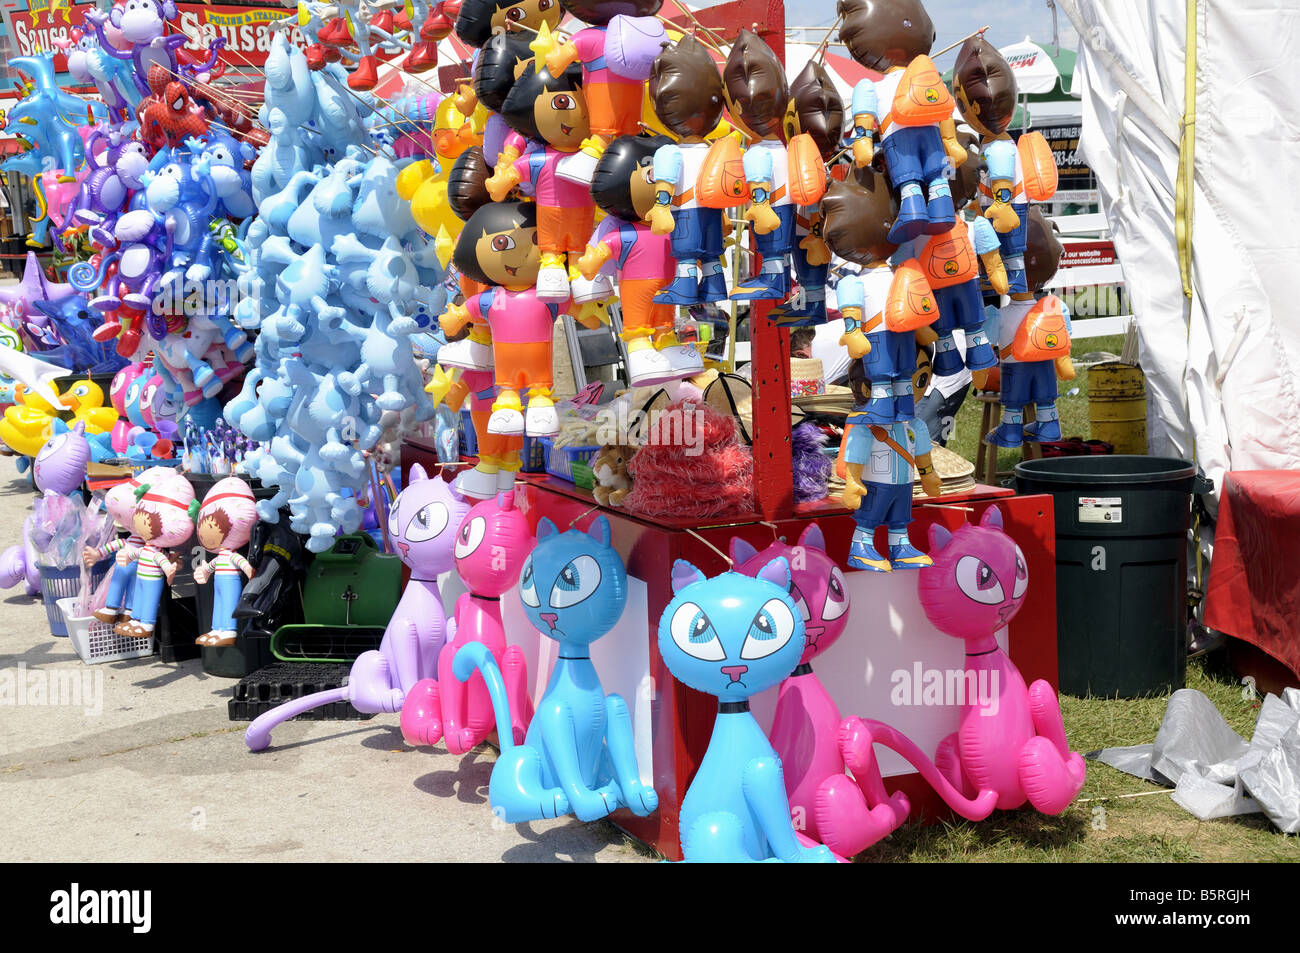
(1117, 406)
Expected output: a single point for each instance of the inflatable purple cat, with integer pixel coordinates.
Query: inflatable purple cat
(422, 527)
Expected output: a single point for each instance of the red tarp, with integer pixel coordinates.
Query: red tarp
(1254, 589)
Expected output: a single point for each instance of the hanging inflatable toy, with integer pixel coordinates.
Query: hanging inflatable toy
(579, 755)
(732, 637)
(688, 99)
(623, 187)
(616, 51)
(815, 114)
(422, 525)
(223, 525)
(908, 111)
(757, 95)
(1011, 748)
(60, 466)
(492, 544)
(143, 25)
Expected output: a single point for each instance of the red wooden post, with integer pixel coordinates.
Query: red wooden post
(769, 345)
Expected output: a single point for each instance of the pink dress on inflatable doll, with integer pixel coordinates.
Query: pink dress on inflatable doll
(492, 545)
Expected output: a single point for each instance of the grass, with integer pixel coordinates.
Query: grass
(1072, 405)
(1103, 824)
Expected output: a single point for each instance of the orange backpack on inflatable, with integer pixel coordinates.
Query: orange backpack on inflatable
(1042, 335)
(1038, 166)
(721, 182)
(911, 302)
(921, 97)
(807, 172)
(949, 259)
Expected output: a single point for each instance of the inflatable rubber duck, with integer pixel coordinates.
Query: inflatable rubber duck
(29, 422)
(86, 401)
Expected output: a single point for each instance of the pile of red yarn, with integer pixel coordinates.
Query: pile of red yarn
(692, 465)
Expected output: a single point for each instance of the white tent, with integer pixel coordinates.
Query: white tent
(1222, 361)
(1035, 71)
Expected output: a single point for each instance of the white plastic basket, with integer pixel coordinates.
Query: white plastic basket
(96, 641)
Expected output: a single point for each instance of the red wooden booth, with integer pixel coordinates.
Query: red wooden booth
(887, 633)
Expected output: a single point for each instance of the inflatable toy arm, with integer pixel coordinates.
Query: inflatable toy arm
(852, 298)
(668, 178)
(593, 259)
(948, 130)
(985, 240)
(1000, 157)
(759, 175)
(866, 116)
(853, 486)
(813, 245)
(503, 180)
(921, 451)
(455, 318)
(561, 58)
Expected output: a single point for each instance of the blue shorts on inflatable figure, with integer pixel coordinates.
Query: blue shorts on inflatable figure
(734, 636)
(579, 755)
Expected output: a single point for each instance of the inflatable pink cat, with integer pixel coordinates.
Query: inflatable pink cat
(1010, 747)
(825, 803)
(492, 545)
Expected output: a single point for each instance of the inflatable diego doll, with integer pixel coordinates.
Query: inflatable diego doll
(163, 517)
(623, 187)
(909, 109)
(223, 526)
(686, 90)
(815, 110)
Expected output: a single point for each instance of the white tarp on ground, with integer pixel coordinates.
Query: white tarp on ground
(1223, 368)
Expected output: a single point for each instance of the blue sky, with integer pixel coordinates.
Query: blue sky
(1009, 20)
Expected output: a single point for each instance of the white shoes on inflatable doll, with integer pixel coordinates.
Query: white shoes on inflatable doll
(506, 422)
(596, 289)
(579, 167)
(553, 284)
(466, 354)
(648, 365)
(542, 420)
(684, 359)
(478, 485)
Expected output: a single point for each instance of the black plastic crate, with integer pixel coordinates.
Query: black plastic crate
(280, 682)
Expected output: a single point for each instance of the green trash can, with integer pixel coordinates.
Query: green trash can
(1121, 570)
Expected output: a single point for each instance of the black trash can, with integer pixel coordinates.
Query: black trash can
(1121, 570)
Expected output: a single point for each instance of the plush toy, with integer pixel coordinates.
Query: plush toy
(909, 110)
(622, 186)
(732, 637)
(1011, 746)
(579, 755)
(492, 544)
(688, 99)
(163, 518)
(422, 526)
(223, 526)
(805, 728)
(610, 471)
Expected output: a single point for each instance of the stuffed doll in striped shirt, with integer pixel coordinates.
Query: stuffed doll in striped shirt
(223, 526)
(120, 503)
